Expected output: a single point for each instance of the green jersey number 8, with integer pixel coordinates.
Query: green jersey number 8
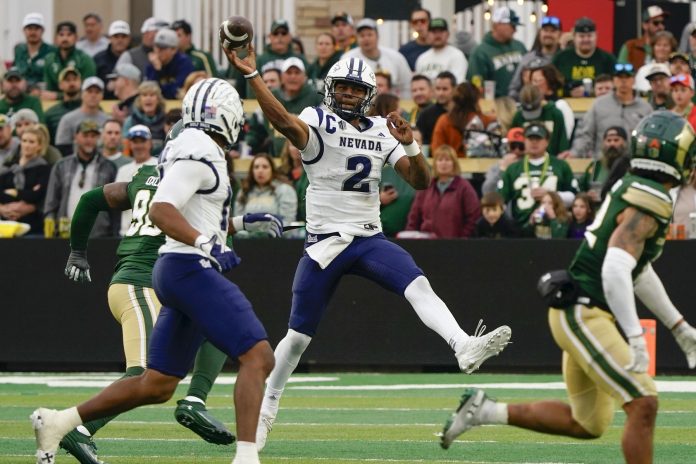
(141, 224)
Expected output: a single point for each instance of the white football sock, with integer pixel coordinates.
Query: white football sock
(67, 419)
(287, 356)
(246, 453)
(493, 412)
(434, 312)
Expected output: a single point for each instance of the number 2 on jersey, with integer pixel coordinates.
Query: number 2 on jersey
(362, 167)
(141, 224)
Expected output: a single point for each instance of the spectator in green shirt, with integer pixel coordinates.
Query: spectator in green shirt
(584, 60)
(533, 108)
(29, 56)
(69, 82)
(14, 89)
(66, 56)
(202, 61)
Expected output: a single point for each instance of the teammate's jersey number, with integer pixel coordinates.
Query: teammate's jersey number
(141, 224)
(362, 167)
(521, 184)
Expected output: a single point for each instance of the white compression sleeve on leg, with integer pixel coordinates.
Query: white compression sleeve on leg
(433, 311)
(287, 356)
(618, 288)
(652, 293)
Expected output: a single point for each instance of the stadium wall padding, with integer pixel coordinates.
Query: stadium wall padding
(51, 323)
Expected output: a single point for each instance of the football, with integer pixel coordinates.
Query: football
(236, 32)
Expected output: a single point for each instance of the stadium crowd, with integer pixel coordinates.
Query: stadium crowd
(49, 159)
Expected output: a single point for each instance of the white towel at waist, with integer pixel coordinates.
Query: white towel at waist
(325, 251)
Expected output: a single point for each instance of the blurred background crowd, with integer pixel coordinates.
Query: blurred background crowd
(524, 139)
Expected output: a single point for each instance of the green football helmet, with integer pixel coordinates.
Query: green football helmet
(664, 142)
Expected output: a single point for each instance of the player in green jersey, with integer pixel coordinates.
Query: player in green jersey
(612, 264)
(134, 304)
(525, 182)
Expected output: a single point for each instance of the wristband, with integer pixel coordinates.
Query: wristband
(238, 223)
(252, 75)
(412, 149)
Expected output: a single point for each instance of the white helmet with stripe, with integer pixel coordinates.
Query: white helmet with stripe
(354, 71)
(213, 105)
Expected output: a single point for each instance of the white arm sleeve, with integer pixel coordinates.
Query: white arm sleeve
(182, 180)
(618, 289)
(652, 293)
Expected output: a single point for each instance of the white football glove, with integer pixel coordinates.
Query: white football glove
(639, 355)
(685, 335)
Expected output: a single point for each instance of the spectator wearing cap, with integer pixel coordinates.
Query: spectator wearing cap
(679, 63)
(343, 31)
(23, 185)
(69, 83)
(119, 41)
(202, 60)
(74, 175)
(327, 56)
(499, 54)
(277, 50)
(149, 110)
(682, 87)
(622, 107)
(614, 147)
(420, 22)
(534, 108)
(295, 93)
(111, 137)
(138, 56)
(584, 60)
(453, 128)
(514, 152)
(126, 78)
(140, 141)
(663, 45)
(66, 56)
(168, 66)
(93, 41)
(525, 182)
(639, 51)
(30, 55)
(8, 143)
(14, 90)
(381, 58)
(685, 44)
(659, 94)
(546, 46)
(92, 96)
(441, 56)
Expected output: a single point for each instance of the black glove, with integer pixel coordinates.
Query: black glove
(77, 267)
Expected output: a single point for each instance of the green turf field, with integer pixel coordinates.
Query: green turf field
(346, 418)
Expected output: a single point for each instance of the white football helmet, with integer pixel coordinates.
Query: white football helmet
(213, 105)
(355, 71)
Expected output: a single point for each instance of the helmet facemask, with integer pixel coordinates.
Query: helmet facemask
(351, 71)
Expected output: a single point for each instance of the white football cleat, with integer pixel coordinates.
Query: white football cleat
(685, 335)
(263, 429)
(465, 417)
(480, 347)
(47, 437)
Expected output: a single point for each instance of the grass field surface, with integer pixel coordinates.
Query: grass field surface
(345, 418)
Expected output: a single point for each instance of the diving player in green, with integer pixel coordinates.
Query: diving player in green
(611, 265)
(134, 304)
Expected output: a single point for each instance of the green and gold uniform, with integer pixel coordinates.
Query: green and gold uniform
(594, 352)
(517, 181)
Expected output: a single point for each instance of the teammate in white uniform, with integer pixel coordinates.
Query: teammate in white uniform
(191, 207)
(343, 152)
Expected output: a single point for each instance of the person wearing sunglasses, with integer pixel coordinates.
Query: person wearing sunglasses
(639, 51)
(682, 87)
(546, 46)
(74, 175)
(420, 22)
(584, 60)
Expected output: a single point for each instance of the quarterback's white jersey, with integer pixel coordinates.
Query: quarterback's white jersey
(193, 177)
(344, 168)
